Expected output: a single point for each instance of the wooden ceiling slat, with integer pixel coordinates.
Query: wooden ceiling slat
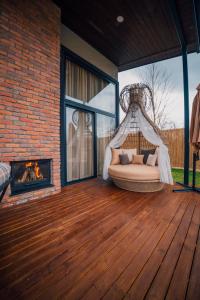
(147, 33)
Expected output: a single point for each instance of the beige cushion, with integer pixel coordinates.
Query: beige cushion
(130, 153)
(151, 160)
(117, 152)
(135, 172)
(115, 156)
(138, 159)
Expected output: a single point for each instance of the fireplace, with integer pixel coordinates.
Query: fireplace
(30, 175)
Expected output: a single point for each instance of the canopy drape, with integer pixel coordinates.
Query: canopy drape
(149, 134)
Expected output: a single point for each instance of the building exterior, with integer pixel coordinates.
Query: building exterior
(49, 75)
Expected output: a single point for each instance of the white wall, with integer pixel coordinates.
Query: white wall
(77, 45)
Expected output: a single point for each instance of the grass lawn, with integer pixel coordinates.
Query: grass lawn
(178, 176)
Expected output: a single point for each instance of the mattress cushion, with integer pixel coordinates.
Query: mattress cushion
(134, 172)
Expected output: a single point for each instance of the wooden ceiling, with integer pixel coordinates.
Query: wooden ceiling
(148, 33)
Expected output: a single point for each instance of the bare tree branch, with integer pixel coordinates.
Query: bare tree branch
(159, 80)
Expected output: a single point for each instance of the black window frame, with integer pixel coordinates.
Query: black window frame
(67, 54)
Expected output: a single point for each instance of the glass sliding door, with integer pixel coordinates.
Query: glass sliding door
(80, 144)
(89, 114)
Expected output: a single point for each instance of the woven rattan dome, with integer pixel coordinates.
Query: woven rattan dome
(134, 95)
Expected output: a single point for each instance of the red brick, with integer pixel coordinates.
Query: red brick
(30, 88)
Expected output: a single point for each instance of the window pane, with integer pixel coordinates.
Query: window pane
(105, 130)
(79, 144)
(84, 87)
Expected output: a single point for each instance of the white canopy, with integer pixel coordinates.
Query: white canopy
(149, 134)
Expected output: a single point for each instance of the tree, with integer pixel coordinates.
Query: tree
(159, 80)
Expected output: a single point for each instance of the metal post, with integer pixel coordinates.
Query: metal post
(186, 117)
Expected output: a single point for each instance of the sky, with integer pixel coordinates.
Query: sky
(174, 68)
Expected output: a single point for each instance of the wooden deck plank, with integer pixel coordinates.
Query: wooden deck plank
(115, 261)
(149, 236)
(154, 214)
(180, 279)
(94, 240)
(106, 211)
(82, 262)
(137, 283)
(159, 287)
(193, 290)
(43, 218)
(39, 264)
(68, 218)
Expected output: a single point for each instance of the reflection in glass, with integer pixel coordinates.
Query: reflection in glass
(79, 144)
(84, 87)
(105, 130)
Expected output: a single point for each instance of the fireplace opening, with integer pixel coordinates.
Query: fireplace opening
(30, 175)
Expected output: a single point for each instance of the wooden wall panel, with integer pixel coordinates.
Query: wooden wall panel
(174, 139)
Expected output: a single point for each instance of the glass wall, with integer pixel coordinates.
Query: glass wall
(105, 130)
(194, 81)
(79, 133)
(165, 78)
(86, 88)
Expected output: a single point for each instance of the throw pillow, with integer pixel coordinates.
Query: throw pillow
(151, 161)
(146, 153)
(124, 160)
(130, 153)
(138, 159)
(115, 156)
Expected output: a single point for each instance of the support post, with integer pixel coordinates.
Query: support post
(196, 8)
(186, 117)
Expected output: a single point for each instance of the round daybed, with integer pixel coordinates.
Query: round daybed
(136, 173)
(137, 178)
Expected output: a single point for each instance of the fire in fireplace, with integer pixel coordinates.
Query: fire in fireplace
(30, 175)
(31, 172)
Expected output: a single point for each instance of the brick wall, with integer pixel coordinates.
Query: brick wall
(30, 86)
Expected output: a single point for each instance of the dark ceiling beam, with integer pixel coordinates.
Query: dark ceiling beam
(196, 7)
(152, 58)
(177, 22)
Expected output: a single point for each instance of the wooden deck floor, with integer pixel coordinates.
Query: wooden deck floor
(95, 241)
